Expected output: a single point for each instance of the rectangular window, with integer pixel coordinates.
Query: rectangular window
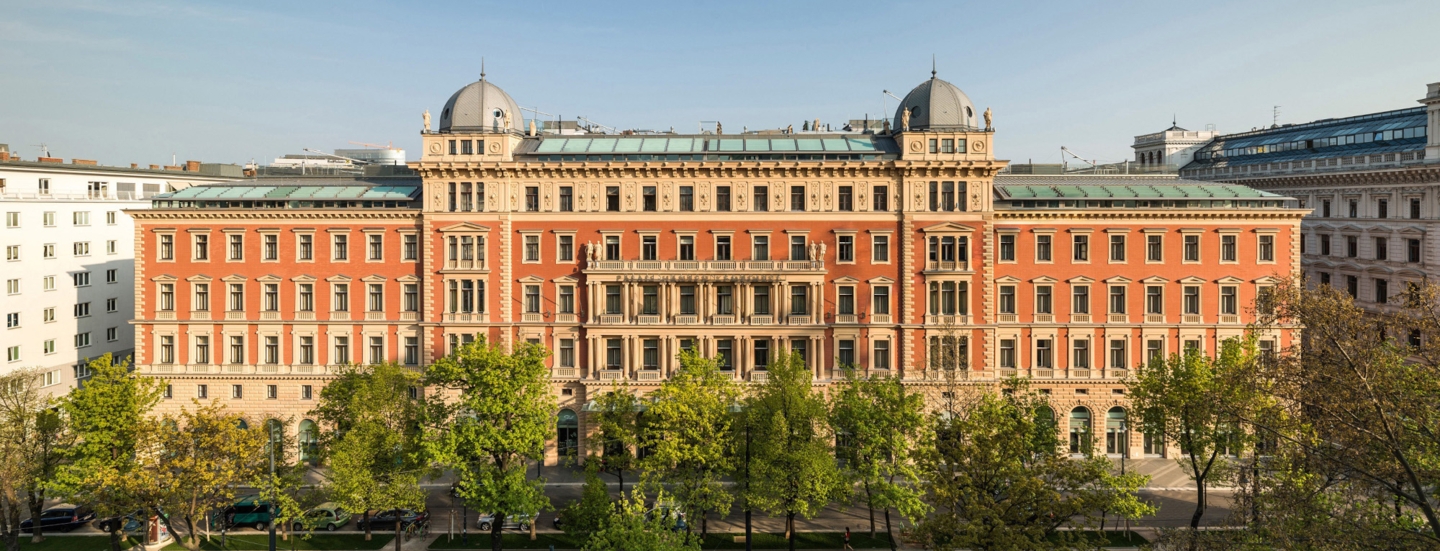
(1412, 250)
(271, 296)
(1007, 248)
(1414, 209)
(307, 350)
(724, 300)
(799, 299)
(1192, 248)
(761, 356)
(237, 391)
(1382, 248)
(797, 198)
(797, 247)
(722, 247)
(340, 302)
(1117, 248)
(1229, 301)
(532, 198)
(1117, 354)
(649, 202)
(82, 248)
(532, 248)
(167, 247)
(1042, 248)
(80, 218)
(410, 247)
(650, 353)
(271, 246)
(202, 349)
(1043, 302)
(1382, 208)
(1190, 295)
(342, 350)
(167, 297)
(1325, 245)
(80, 279)
(845, 353)
(1117, 299)
(237, 350)
(376, 298)
(306, 246)
(687, 198)
(377, 350)
(612, 247)
(846, 199)
(82, 340)
(845, 299)
(272, 350)
(1382, 291)
(410, 297)
(82, 310)
(1080, 299)
(340, 247)
(1154, 350)
(1081, 354)
(47, 219)
(760, 247)
(12, 320)
(111, 247)
(566, 302)
(687, 300)
(567, 198)
(1352, 246)
(880, 248)
(880, 358)
(762, 300)
(1227, 248)
(687, 247)
(12, 286)
(376, 246)
(1082, 248)
(1154, 299)
(1354, 208)
(202, 391)
(566, 248)
(613, 357)
(1007, 353)
(566, 356)
(880, 198)
(272, 392)
(649, 248)
(167, 349)
(532, 299)
(1007, 299)
(1044, 353)
(306, 299)
(47, 251)
(722, 198)
(237, 297)
(12, 219)
(307, 392)
(12, 253)
(612, 299)
(760, 201)
(1267, 248)
(845, 251)
(202, 247)
(237, 246)
(725, 354)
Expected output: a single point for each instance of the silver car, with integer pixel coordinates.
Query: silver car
(512, 522)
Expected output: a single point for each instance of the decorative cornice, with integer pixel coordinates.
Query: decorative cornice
(643, 170)
(411, 215)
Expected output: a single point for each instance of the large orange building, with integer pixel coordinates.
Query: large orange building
(903, 252)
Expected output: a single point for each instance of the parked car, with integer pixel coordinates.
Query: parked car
(249, 511)
(129, 524)
(325, 515)
(666, 511)
(385, 520)
(61, 518)
(512, 522)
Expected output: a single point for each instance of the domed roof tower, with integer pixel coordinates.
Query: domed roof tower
(937, 105)
(481, 107)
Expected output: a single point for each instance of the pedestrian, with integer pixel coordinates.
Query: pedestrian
(847, 540)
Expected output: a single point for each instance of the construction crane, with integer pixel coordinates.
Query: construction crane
(537, 113)
(391, 145)
(1066, 151)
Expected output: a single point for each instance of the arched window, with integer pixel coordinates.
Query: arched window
(1117, 433)
(275, 434)
(1080, 431)
(1045, 429)
(309, 441)
(243, 425)
(567, 428)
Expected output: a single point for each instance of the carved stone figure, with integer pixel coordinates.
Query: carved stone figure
(905, 120)
(822, 253)
(987, 120)
(814, 252)
(885, 126)
(816, 126)
(507, 120)
(532, 127)
(426, 116)
(719, 128)
(790, 129)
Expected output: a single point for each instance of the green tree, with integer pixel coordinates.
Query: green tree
(374, 447)
(12, 483)
(1191, 399)
(997, 483)
(690, 437)
(588, 514)
(617, 414)
(793, 471)
(501, 414)
(193, 463)
(881, 424)
(631, 527)
(36, 437)
(108, 416)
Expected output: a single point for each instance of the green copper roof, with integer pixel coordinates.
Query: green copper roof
(1101, 187)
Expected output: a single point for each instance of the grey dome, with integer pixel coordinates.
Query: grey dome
(480, 107)
(936, 104)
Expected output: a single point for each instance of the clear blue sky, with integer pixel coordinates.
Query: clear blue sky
(136, 81)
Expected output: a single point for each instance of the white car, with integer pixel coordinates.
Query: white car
(512, 522)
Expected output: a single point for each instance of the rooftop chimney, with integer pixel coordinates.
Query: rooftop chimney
(134, 165)
(154, 167)
(50, 160)
(83, 162)
(4, 155)
(192, 166)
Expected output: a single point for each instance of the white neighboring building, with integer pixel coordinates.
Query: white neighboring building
(68, 268)
(1171, 148)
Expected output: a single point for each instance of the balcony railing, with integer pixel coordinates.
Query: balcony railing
(1080, 318)
(845, 318)
(239, 315)
(532, 318)
(1117, 318)
(1154, 318)
(797, 320)
(934, 319)
(565, 318)
(880, 318)
(1192, 319)
(723, 266)
(340, 316)
(762, 320)
(946, 266)
(165, 315)
(759, 376)
(269, 316)
(1044, 318)
(304, 316)
(566, 373)
(728, 319)
(611, 375)
(1230, 319)
(648, 375)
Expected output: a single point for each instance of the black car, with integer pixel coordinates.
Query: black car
(63, 518)
(385, 520)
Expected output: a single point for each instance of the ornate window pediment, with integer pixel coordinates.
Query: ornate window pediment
(1192, 280)
(373, 278)
(165, 278)
(407, 279)
(194, 278)
(846, 280)
(1044, 279)
(1154, 280)
(531, 279)
(947, 227)
(269, 278)
(882, 280)
(1007, 279)
(1229, 280)
(1119, 279)
(303, 278)
(1079, 279)
(464, 227)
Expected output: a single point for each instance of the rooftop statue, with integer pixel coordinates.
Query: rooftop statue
(987, 120)
(905, 120)
(426, 116)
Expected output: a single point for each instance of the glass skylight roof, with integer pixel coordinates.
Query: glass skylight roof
(706, 145)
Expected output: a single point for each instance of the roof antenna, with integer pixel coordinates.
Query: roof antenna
(482, 68)
(932, 65)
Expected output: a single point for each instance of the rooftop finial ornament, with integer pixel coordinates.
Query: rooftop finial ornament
(482, 68)
(932, 65)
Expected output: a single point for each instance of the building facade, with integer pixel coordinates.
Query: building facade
(1171, 148)
(899, 253)
(69, 260)
(1371, 182)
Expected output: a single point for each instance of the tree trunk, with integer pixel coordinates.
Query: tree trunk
(1199, 503)
(37, 506)
(496, 527)
(115, 534)
(397, 531)
(870, 503)
(365, 517)
(790, 529)
(888, 532)
(704, 525)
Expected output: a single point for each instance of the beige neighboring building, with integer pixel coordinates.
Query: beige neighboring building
(1170, 149)
(1372, 182)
